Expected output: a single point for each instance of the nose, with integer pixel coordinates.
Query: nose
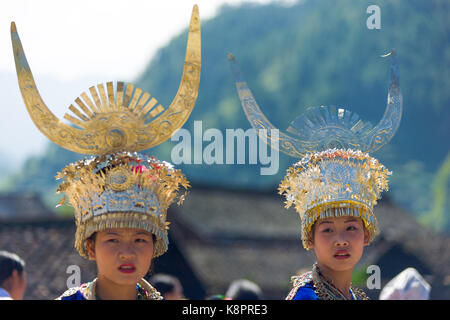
(340, 241)
(126, 252)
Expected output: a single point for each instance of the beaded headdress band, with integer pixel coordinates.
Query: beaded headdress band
(335, 176)
(117, 188)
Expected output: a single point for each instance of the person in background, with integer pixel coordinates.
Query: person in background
(243, 289)
(168, 286)
(13, 281)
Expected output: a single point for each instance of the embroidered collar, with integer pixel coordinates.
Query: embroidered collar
(300, 281)
(145, 291)
(325, 289)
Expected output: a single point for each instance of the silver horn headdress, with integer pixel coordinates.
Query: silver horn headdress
(335, 176)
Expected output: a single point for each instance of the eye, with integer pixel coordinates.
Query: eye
(327, 230)
(141, 240)
(351, 228)
(112, 240)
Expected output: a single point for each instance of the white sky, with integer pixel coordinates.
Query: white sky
(73, 44)
(115, 38)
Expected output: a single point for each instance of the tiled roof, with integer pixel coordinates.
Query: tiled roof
(262, 215)
(47, 248)
(269, 266)
(18, 206)
(399, 227)
(229, 234)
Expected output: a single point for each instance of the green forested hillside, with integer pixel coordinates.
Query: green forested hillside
(310, 54)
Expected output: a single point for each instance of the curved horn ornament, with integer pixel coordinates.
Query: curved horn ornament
(321, 128)
(291, 146)
(385, 130)
(43, 118)
(182, 105)
(122, 118)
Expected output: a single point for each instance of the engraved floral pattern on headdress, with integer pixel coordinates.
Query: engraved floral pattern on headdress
(332, 183)
(131, 189)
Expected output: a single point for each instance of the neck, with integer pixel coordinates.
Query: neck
(341, 280)
(108, 290)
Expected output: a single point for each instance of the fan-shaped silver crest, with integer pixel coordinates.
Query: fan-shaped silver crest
(321, 128)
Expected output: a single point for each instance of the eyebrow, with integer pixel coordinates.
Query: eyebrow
(325, 221)
(110, 233)
(329, 221)
(142, 233)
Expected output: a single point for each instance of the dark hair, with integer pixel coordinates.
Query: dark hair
(8, 263)
(164, 283)
(244, 290)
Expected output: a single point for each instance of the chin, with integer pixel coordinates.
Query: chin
(127, 282)
(127, 279)
(342, 265)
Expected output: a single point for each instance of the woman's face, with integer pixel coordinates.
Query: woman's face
(123, 256)
(339, 242)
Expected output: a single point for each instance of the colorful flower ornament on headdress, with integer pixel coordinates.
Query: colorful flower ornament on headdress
(117, 188)
(335, 176)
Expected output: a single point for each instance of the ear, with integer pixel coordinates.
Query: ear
(366, 237)
(90, 245)
(310, 244)
(15, 276)
(15, 273)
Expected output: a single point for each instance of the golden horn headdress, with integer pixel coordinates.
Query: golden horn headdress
(118, 188)
(335, 176)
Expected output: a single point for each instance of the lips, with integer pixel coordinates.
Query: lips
(341, 254)
(127, 268)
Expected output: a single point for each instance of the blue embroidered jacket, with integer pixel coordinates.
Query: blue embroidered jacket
(87, 292)
(303, 289)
